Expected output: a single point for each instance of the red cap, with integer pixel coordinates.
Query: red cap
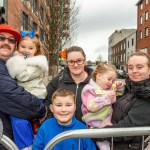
(7, 28)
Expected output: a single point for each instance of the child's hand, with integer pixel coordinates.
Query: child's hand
(119, 84)
(42, 119)
(112, 96)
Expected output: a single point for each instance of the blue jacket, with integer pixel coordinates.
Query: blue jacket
(16, 101)
(50, 128)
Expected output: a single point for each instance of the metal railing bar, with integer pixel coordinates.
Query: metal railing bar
(8, 143)
(112, 143)
(98, 133)
(142, 142)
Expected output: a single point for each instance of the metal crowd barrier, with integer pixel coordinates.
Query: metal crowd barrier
(5, 141)
(84, 133)
(100, 133)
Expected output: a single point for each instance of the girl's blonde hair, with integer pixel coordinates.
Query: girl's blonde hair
(36, 41)
(102, 68)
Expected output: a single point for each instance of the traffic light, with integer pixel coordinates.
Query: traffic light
(2, 11)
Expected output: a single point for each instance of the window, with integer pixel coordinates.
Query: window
(124, 46)
(146, 2)
(35, 6)
(146, 15)
(47, 3)
(128, 55)
(35, 26)
(47, 21)
(146, 31)
(128, 44)
(140, 20)
(41, 35)
(46, 38)
(132, 41)
(26, 3)
(121, 58)
(124, 57)
(1, 3)
(141, 6)
(42, 13)
(144, 50)
(25, 21)
(140, 34)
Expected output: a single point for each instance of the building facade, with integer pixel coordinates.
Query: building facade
(49, 18)
(116, 38)
(119, 54)
(131, 44)
(143, 26)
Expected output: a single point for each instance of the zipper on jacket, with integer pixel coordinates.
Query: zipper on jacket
(76, 92)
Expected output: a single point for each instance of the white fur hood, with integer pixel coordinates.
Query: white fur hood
(17, 64)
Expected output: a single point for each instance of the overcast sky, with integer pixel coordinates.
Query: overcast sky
(98, 19)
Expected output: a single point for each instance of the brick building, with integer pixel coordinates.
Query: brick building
(50, 18)
(27, 15)
(143, 26)
(119, 43)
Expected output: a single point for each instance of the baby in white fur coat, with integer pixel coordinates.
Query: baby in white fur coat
(28, 72)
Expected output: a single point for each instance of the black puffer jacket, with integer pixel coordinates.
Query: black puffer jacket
(64, 80)
(14, 100)
(133, 108)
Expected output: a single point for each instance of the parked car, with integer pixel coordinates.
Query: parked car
(121, 74)
(93, 67)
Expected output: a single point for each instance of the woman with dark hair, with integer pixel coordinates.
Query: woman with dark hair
(74, 77)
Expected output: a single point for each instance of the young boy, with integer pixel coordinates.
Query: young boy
(63, 108)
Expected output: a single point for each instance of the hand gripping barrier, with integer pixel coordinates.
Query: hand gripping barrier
(100, 133)
(5, 141)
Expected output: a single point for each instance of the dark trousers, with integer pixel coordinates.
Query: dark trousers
(126, 146)
(2, 147)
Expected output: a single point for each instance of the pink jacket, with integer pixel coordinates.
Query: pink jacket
(96, 105)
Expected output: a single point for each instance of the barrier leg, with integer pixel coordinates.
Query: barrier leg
(5, 141)
(112, 143)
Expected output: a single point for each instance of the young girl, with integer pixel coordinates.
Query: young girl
(97, 98)
(27, 67)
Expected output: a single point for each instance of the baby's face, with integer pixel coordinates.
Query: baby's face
(27, 48)
(106, 80)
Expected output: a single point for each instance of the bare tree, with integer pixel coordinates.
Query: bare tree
(59, 24)
(73, 23)
(62, 23)
(99, 59)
